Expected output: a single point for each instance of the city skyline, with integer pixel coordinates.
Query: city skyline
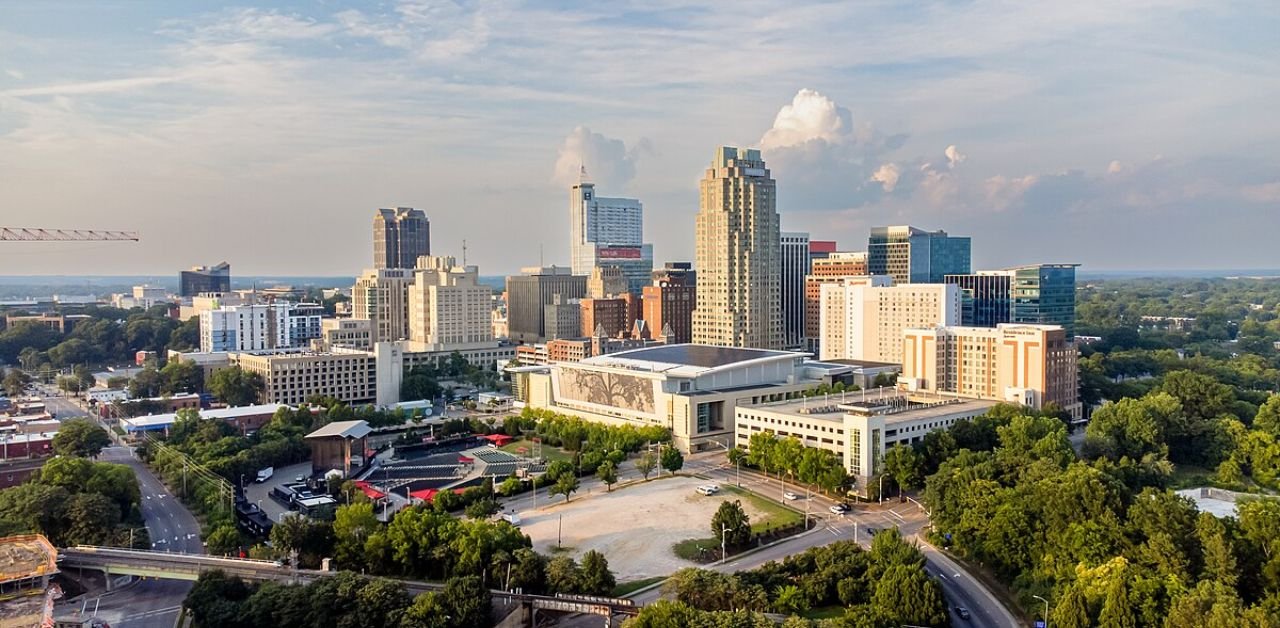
(266, 137)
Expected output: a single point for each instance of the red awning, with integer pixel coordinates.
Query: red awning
(369, 490)
(499, 440)
(427, 494)
(465, 460)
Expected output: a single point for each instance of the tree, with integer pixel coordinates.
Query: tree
(353, 524)
(146, 384)
(566, 485)
(236, 387)
(1268, 417)
(381, 602)
(646, 464)
(665, 614)
(608, 474)
(15, 381)
(215, 597)
(731, 525)
(80, 437)
(910, 597)
(1117, 610)
(562, 575)
(790, 600)
(181, 376)
(290, 533)
(91, 519)
(672, 459)
(594, 577)
(223, 540)
(1072, 610)
(904, 465)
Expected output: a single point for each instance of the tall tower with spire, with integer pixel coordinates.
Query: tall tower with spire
(607, 232)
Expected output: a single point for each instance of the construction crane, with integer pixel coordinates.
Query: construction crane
(19, 234)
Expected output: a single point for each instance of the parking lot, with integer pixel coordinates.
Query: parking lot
(633, 527)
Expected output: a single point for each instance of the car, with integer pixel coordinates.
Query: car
(962, 612)
(839, 509)
(709, 489)
(791, 496)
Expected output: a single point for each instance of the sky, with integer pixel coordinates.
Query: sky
(1121, 135)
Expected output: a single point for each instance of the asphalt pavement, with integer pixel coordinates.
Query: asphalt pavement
(151, 603)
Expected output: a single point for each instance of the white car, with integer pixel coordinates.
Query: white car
(790, 496)
(709, 489)
(839, 509)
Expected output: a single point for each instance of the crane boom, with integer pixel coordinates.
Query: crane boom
(19, 234)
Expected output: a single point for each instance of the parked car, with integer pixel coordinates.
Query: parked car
(791, 496)
(709, 489)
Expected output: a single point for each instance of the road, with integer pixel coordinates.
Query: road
(152, 603)
(959, 588)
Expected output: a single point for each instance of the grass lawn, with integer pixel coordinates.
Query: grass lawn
(776, 514)
(552, 454)
(694, 549)
(627, 588)
(825, 612)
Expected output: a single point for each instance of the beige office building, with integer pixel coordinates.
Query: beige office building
(738, 254)
(293, 378)
(381, 295)
(345, 332)
(448, 308)
(862, 318)
(1032, 365)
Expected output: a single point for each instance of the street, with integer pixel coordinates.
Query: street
(151, 603)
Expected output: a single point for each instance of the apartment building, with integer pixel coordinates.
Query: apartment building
(448, 308)
(381, 296)
(832, 268)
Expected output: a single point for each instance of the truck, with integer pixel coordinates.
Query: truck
(511, 517)
(265, 474)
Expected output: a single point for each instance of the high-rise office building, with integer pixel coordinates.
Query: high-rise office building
(612, 317)
(381, 295)
(202, 279)
(607, 232)
(863, 317)
(831, 267)
(796, 257)
(606, 281)
(400, 237)
(449, 310)
(912, 255)
(737, 246)
(1043, 294)
(530, 293)
(562, 318)
(1033, 365)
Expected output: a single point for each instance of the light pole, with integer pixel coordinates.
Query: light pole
(724, 536)
(1046, 609)
(880, 493)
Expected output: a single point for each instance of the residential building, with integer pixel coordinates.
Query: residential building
(381, 295)
(529, 294)
(448, 307)
(833, 267)
(796, 257)
(857, 426)
(690, 389)
(608, 232)
(562, 318)
(258, 327)
(737, 245)
(1043, 294)
(400, 237)
(611, 317)
(1033, 365)
(606, 281)
(199, 279)
(862, 318)
(912, 255)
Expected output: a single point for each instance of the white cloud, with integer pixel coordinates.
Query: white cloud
(432, 31)
(258, 24)
(17, 74)
(954, 156)
(608, 161)
(887, 176)
(810, 116)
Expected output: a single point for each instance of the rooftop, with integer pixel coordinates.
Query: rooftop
(704, 356)
(342, 429)
(896, 406)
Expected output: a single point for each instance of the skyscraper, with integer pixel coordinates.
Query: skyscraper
(737, 252)
(796, 258)
(608, 232)
(400, 237)
(381, 295)
(449, 309)
(528, 296)
(1040, 294)
(912, 255)
(833, 268)
(201, 279)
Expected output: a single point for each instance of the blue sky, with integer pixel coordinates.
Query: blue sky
(1116, 134)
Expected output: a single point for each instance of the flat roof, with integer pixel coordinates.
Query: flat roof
(706, 356)
(343, 429)
(153, 421)
(833, 407)
(864, 363)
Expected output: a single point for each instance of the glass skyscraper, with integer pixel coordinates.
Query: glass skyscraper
(1043, 294)
(912, 255)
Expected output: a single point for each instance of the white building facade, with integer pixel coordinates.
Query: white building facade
(608, 232)
(863, 318)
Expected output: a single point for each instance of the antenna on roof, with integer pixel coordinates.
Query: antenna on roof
(464, 253)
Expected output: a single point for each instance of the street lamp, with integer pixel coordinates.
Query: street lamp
(724, 536)
(880, 493)
(1046, 609)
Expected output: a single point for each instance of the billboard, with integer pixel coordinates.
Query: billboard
(618, 252)
(627, 392)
